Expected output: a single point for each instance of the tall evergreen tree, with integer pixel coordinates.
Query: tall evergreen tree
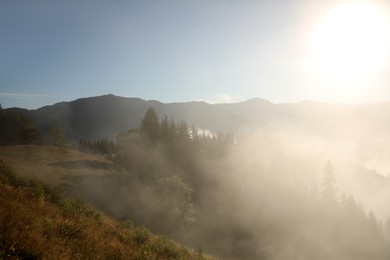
(165, 129)
(172, 131)
(183, 132)
(328, 185)
(150, 126)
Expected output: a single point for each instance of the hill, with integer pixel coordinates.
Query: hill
(38, 221)
(106, 116)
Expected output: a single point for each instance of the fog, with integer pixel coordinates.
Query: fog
(316, 189)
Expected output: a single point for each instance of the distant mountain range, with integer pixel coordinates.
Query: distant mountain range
(106, 116)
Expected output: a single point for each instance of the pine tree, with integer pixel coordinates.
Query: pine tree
(183, 133)
(150, 126)
(165, 129)
(328, 185)
(194, 134)
(172, 131)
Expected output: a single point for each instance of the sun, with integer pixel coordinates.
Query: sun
(348, 45)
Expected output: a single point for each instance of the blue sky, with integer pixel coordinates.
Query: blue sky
(172, 51)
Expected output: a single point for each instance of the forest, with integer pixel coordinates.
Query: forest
(236, 197)
(233, 195)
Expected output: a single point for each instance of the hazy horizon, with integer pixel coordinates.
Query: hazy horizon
(211, 102)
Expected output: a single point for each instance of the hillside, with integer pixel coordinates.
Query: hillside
(53, 166)
(234, 208)
(38, 221)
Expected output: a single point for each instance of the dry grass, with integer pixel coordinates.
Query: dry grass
(50, 164)
(40, 222)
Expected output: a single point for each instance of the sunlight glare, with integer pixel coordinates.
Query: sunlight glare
(348, 46)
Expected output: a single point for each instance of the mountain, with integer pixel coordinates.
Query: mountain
(106, 116)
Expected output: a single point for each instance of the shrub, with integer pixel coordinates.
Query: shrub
(74, 207)
(166, 249)
(141, 235)
(69, 231)
(36, 189)
(124, 237)
(128, 224)
(8, 176)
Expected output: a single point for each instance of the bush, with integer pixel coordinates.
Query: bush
(128, 224)
(8, 176)
(74, 207)
(69, 231)
(166, 249)
(124, 237)
(36, 189)
(141, 235)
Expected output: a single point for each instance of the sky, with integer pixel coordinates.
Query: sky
(177, 51)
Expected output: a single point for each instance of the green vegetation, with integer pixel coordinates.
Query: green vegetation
(175, 202)
(16, 128)
(100, 146)
(38, 221)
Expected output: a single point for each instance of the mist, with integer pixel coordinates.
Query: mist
(261, 193)
(246, 180)
(287, 181)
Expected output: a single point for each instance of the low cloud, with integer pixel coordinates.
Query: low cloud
(225, 98)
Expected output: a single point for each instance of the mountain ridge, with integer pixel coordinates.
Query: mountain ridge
(107, 115)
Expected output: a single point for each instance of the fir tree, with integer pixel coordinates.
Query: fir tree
(150, 126)
(328, 185)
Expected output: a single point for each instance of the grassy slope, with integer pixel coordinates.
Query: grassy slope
(50, 164)
(38, 221)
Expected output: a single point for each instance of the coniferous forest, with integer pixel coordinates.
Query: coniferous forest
(231, 196)
(221, 192)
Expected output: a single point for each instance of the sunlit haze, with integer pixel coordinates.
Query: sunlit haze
(349, 49)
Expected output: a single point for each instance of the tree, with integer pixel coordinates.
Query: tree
(183, 133)
(328, 185)
(17, 128)
(194, 134)
(175, 202)
(165, 137)
(57, 136)
(150, 126)
(172, 131)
